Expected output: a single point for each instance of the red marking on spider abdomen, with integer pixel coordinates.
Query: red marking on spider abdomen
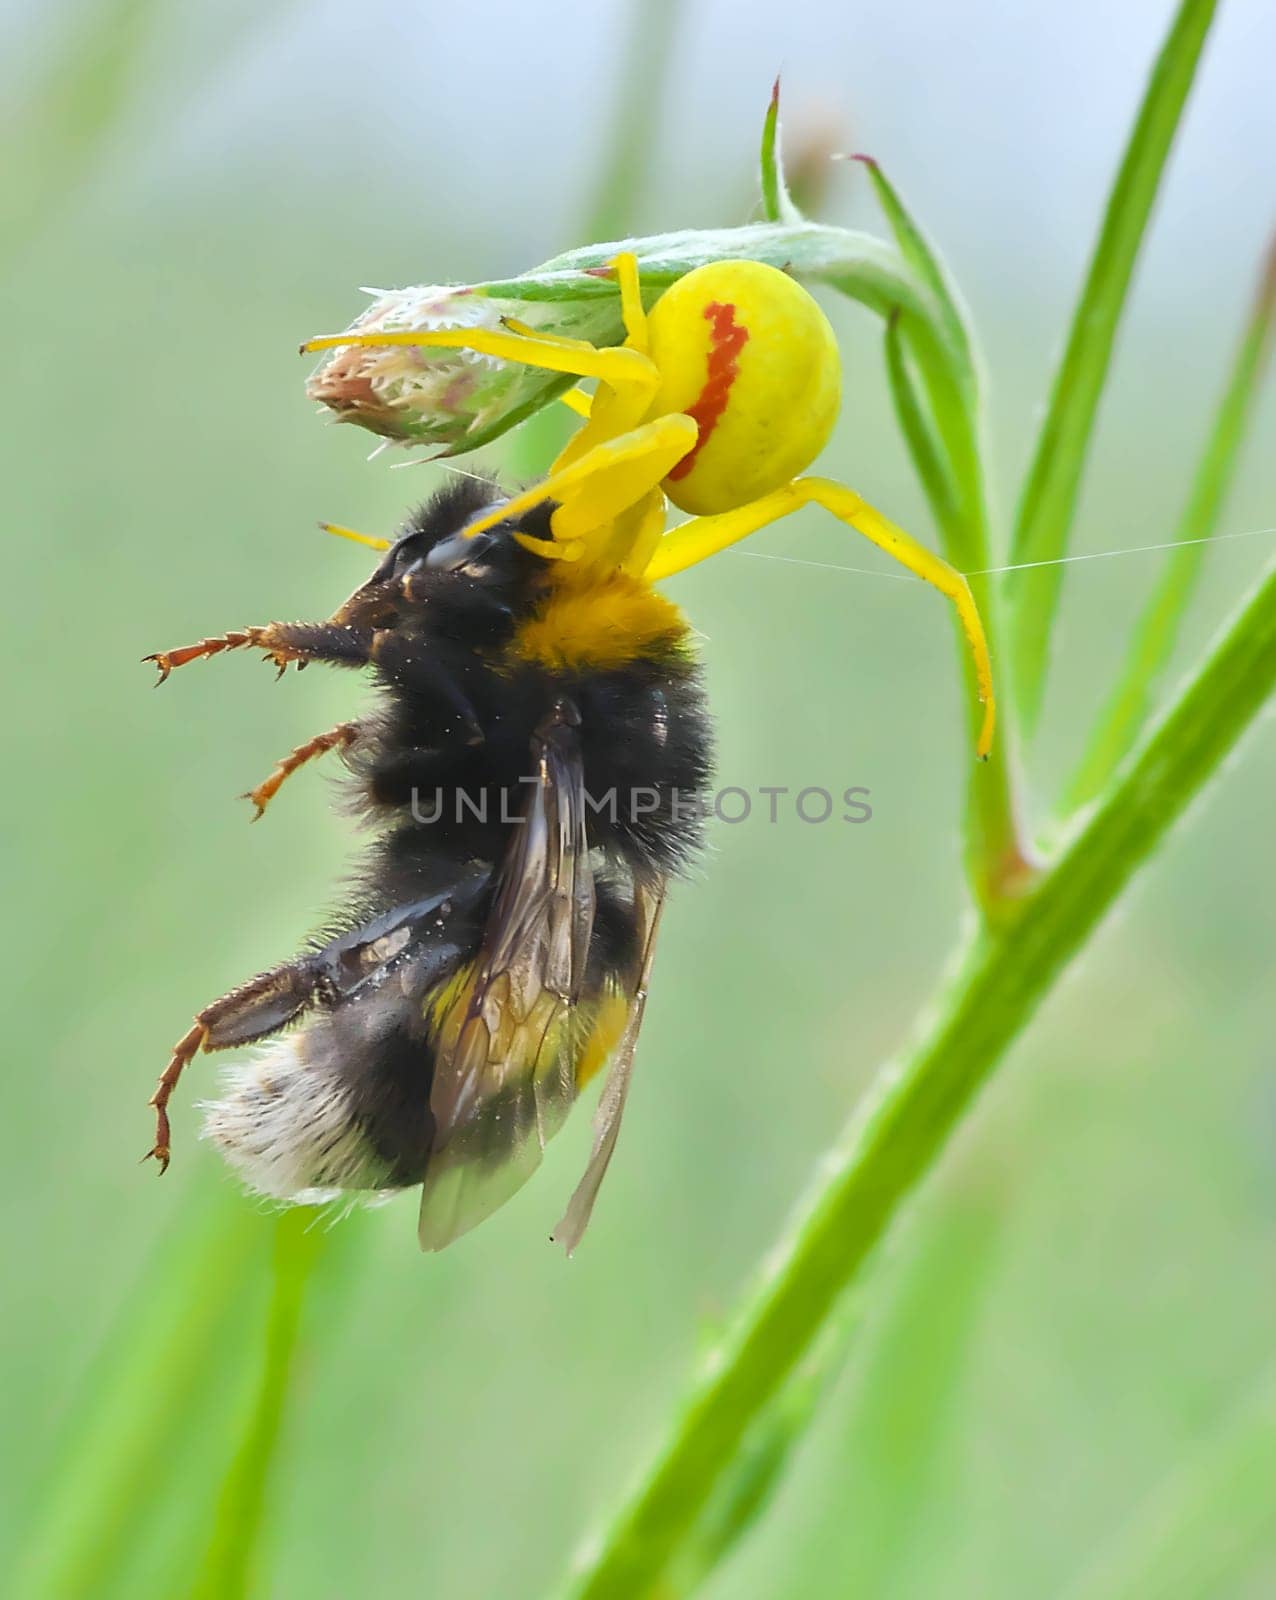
(727, 338)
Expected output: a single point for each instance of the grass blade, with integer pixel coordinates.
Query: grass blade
(1157, 630)
(228, 1564)
(173, 1344)
(1053, 481)
(897, 1137)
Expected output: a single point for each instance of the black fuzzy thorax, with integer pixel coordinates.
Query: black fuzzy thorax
(444, 760)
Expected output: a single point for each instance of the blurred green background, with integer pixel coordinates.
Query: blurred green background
(1064, 1349)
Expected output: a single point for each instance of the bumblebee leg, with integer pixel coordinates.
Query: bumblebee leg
(283, 642)
(256, 1008)
(403, 662)
(337, 738)
(684, 546)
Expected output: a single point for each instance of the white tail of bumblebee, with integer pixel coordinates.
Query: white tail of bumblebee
(286, 1125)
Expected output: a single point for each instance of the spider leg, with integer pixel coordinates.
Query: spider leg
(596, 490)
(578, 401)
(625, 266)
(562, 340)
(632, 314)
(337, 738)
(628, 380)
(626, 371)
(702, 537)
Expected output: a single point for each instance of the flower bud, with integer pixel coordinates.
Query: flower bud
(454, 398)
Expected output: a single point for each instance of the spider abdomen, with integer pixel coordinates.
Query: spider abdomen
(743, 349)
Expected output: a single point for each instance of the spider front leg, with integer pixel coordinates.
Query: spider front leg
(284, 643)
(628, 380)
(609, 506)
(694, 541)
(338, 738)
(627, 372)
(259, 1007)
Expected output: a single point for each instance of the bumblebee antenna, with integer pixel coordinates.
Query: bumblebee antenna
(357, 538)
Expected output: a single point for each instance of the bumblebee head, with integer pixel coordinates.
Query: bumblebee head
(435, 558)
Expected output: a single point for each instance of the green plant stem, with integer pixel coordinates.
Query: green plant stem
(1000, 867)
(1157, 630)
(227, 1568)
(755, 1475)
(949, 457)
(893, 1141)
(1053, 481)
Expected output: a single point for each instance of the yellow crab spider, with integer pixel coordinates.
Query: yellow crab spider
(718, 401)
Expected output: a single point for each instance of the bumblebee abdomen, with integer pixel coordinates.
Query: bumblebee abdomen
(343, 1104)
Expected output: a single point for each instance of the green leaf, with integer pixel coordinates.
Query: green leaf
(777, 203)
(1051, 487)
(1157, 630)
(932, 468)
(951, 377)
(920, 255)
(896, 1138)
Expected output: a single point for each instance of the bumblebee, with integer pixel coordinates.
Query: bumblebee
(535, 766)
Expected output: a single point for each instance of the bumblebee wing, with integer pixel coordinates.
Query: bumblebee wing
(504, 1076)
(611, 1103)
